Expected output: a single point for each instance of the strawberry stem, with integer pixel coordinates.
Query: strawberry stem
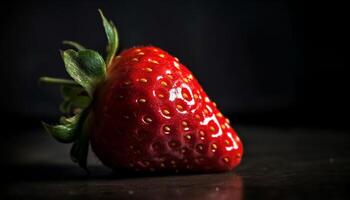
(60, 81)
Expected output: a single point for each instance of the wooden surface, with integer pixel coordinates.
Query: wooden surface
(279, 163)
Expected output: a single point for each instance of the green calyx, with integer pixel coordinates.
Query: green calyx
(87, 69)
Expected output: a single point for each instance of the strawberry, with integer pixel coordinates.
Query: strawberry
(141, 111)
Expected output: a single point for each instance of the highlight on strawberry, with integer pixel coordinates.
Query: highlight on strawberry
(141, 110)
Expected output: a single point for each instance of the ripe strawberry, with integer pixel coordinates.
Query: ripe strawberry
(145, 112)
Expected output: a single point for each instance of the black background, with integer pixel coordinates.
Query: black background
(262, 62)
(277, 69)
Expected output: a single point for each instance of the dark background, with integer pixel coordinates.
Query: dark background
(263, 62)
(277, 69)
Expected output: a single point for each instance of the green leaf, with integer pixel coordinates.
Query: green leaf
(86, 67)
(80, 101)
(74, 44)
(74, 97)
(93, 63)
(65, 106)
(80, 148)
(68, 91)
(65, 132)
(64, 120)
(79, 151)
(112, 36)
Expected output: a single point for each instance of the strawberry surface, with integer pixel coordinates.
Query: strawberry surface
(151, 114)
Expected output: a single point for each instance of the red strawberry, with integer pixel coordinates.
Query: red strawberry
(146, 112)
